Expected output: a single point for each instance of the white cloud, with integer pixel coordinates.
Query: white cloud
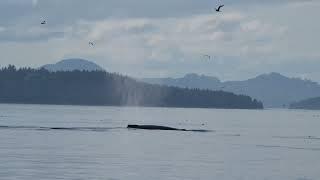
(141, 41)
(2, 29)
(150, 38)
(34, 3)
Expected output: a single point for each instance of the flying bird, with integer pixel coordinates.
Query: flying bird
(218, 9)
(207, 56)
(91, 44)
(44, 22)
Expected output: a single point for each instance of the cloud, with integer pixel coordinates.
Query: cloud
(29, 34)
(67, 11)
(162, 38)
(34, 3)
(162, 42)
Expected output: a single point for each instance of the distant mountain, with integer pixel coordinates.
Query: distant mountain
(73, 64)
(312, 104)
(189, 80)
(274, 89)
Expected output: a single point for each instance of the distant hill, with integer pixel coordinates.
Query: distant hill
(73, 64)
(40, 86)
(274, 89)
(312, 104)
(189, 80)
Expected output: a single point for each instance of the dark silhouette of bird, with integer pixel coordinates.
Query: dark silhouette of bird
(218, 9)
(44, 22)
(91, 44)
(207, 56)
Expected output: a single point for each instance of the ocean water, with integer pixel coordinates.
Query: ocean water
(39, 142)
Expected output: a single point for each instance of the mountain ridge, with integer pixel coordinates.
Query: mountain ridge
(273, 89)
(309, 104)
(73, 64)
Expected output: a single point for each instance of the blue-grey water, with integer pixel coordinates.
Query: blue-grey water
(40, 142)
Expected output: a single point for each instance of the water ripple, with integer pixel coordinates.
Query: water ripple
(297, 137)
(289, 147)
(40, 128)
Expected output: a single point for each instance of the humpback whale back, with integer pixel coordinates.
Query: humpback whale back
(153, 127)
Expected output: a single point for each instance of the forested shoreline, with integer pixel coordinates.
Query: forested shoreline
(39, 86)
(309, 104)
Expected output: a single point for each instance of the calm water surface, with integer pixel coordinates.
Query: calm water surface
(40, 142)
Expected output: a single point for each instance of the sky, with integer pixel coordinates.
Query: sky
(153, 38)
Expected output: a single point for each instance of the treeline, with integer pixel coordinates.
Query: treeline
(39, 86)
(312, 104)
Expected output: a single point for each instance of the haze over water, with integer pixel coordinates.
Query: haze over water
(80, 142)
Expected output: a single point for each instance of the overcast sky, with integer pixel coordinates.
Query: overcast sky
(159, 38)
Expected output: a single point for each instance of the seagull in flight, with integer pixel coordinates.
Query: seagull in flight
(207, 56)
(44, 22)
(218, 9)
(91, 43)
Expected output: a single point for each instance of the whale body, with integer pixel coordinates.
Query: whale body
(153, 127)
